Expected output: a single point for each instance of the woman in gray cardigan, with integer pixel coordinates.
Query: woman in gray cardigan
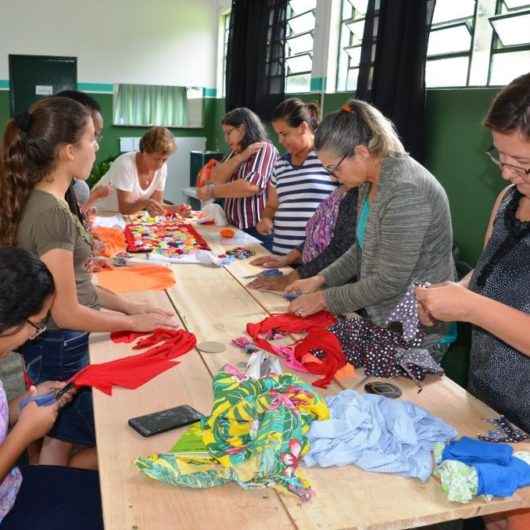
(404, 228)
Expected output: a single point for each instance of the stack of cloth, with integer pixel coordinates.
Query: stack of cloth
(255, 435)
(470, 467)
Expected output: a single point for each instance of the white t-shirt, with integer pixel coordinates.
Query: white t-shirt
(123, 175)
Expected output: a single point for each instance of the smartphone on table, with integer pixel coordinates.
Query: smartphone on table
(165, 420)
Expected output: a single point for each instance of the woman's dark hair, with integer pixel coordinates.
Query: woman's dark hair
(26, 284)
(295, 112)
(29, 153)
(254, 129)
(357, 123)
(81, 97)
(510, 110)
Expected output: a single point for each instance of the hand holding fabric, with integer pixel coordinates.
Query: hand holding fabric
(306, 286)
(449, 302)
(273, 284)
(35, 421)
(308, 304)
(154, 207)
(270, 262)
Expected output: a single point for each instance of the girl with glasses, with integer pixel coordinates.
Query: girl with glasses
(35, 497)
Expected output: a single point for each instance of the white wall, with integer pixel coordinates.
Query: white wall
(167, 42)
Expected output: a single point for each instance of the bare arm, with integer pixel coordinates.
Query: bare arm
(67, 312)
(222, 172)
(128, 205)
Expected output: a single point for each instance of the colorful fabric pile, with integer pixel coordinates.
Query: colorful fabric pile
(318, 338)
(162, 235)
(255, 436)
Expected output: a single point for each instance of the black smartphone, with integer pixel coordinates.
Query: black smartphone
(165, 420)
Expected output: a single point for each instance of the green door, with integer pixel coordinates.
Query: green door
(32, 77)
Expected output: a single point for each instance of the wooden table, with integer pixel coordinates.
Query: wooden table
(214, 304)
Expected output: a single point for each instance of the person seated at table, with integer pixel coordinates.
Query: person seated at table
(138, 179)
(35, 497)
(329, 234)
(403, 228)
(43, 150)
(299, 182)
(495, 297)
(243, 177)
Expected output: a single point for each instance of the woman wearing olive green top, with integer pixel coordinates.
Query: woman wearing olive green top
(43, 151)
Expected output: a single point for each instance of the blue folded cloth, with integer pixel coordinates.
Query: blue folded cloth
(502, 480)
(470, 450)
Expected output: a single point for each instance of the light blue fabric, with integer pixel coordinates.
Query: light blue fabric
(377, 434)
(362, 221)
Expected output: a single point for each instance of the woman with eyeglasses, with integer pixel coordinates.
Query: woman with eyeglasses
(35, 497)
(495, 296)
(403, 230)
(44, 149)
(243, 177)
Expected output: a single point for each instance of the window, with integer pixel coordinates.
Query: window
(222, 52)
(352, 21)
(510, 51)
(299, 45)
(450, 43)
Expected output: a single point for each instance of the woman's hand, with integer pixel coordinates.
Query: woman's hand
(264, 227)
(273, 284)
(35, 421)
(250, 150)
(270, 262)
(309, 285)
(154, 207)
(133, 308)
(308, 304)
(204, 193)
(448, 302)
(151, 321)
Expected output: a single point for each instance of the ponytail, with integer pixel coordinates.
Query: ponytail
(29, 154)
(358, 123)
(294, 111)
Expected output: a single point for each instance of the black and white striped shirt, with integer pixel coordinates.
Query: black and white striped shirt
(300, 190)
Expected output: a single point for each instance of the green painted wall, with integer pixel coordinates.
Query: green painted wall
(111, 134)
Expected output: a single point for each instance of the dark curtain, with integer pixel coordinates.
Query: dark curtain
(255, 68)
(392, 70)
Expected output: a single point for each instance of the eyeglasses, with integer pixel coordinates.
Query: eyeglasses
(228, 132)
(333, 167)
(39, 329)
(494, 156)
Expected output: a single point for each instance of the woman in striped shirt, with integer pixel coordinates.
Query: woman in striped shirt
(243, 177)
(299, 181)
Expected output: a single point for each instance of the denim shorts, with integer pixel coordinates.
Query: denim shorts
(56, 356)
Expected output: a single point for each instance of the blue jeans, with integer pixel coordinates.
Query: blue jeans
(56, 356)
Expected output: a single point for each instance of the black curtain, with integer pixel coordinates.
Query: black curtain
(392, 70)
(255, 64)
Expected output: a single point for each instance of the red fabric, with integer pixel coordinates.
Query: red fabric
(126, 337)
(318, 338)
(135, 370)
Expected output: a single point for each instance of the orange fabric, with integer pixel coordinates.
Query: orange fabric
(136, 278)
(112, 239)
(205, 173)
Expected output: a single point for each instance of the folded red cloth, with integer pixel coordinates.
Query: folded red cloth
(135, 370)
